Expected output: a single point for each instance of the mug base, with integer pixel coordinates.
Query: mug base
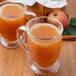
(45, 71)
(9, 44)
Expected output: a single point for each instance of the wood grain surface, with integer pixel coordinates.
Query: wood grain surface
(14, 62)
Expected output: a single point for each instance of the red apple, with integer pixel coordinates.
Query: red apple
(59, 15)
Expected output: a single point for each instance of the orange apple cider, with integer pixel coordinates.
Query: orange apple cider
(11, 18)
(44, 52)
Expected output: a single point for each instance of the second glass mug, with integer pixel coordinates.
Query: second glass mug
(43, 51)
(10, 23)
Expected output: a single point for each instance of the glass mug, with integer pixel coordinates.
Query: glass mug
(41, 38)
(12, 15)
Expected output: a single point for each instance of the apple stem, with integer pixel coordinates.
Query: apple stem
(55, 14)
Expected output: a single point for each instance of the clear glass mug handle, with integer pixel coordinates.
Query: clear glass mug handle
(20, 33)
(21, 39)
(30, 13)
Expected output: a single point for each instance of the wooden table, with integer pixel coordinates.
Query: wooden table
(14, 62)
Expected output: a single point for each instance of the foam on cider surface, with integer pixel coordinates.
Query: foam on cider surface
(11, 9)
(43, 34)
(37, 26)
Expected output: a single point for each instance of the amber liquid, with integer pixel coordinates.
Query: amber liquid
(44, 52)
(10, 20)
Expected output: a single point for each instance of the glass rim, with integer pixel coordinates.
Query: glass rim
(28, 30)
(18, 3)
